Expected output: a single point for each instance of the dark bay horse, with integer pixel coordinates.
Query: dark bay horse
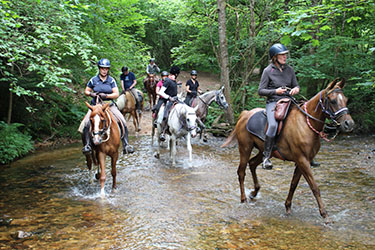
(150, 84)
(203, 102)
(126, 103)
(299, 141)
(106, 140)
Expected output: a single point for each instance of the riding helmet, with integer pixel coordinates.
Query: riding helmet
(152, 60)
(124, 69)
(277, 49)
(104, 63)
(175, 70)
(194, 73)
(164, 73)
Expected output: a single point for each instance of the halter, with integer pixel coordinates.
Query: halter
(183, 121)
(105, 130)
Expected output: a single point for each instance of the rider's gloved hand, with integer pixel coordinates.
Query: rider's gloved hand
(172, 99)
(194, 93)
(102, 95)
(93, 94)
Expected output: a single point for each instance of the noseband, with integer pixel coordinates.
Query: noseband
(327, 109)
(185, 124)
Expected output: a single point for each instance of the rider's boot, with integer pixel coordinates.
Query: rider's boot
(268, 145)
(126, 148)
(314, 163)
(86, 140)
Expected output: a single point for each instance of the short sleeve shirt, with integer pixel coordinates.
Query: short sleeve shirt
(128, 79)
(99, 86)
(192, 86)
(170, 87)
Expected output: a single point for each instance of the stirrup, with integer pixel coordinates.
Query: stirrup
(267, 164)
(128, 149)
(162, 137)
(86, 150)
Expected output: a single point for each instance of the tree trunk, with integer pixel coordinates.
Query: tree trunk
(224, 75)
(9, 118)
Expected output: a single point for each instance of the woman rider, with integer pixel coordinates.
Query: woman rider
(105, 87)
(276, 78)
(169, 92)
(192, 87)
(161, 100)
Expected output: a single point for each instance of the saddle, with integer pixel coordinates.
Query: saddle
(257, 124)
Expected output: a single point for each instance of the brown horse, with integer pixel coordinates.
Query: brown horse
(106, 140)
(126, 104)
(150, 84)
(299, 141)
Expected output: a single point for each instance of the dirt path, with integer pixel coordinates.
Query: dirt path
(207, 81)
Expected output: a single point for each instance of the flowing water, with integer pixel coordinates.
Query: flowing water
(47, 201)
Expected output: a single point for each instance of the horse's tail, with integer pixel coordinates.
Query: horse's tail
(230, 139)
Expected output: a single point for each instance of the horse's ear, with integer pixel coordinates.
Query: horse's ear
(105, 106)
(222, 88)
(196, 108)
(341, 84)
(332, 84)
(88, 105)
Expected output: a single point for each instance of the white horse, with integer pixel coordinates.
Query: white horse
(181, 123)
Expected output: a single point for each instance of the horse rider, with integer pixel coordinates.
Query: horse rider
(169, 92)
(161, 100)
(276, 78)
(103, 86)
(128, 82)
(192, 87)
(152, 69)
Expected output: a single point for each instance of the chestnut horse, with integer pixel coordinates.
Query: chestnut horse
(150, 84)
(299, 141)
(126, 104)
(106, 141)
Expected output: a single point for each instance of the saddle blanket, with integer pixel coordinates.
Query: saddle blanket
(257, 123)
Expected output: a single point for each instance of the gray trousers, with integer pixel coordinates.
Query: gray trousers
(272, 123)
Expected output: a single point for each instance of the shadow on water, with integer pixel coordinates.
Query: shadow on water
(46, 201)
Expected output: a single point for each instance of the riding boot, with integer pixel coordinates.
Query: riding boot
(314, 163)
(164, 129)
(127, 149)
(268, 145)
(86, 139)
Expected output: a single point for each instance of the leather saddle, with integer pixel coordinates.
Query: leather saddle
(257, 124)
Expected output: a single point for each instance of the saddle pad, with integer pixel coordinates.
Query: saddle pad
(257, 123)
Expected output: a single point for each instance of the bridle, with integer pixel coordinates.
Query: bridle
(105, 131)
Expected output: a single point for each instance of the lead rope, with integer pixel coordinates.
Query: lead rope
(323, 135)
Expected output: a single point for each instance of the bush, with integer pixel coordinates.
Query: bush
(13, 143)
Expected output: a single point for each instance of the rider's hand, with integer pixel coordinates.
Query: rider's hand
(281, 91)
(103, 96)
(194, 93)
(294, 91)
(172, 99)
(93, 94)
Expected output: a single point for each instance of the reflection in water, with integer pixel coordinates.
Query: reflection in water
(46, 202)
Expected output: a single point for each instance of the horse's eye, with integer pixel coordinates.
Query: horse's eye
(188, 119)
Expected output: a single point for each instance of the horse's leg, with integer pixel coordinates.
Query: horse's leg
(173, 149)
(189, 148)
(89, 166)
(245, 152)
(253, 163)
(139, 121)
(135, 120)
(102, 172)
(304, 166)
(113, 171)
(293, 185)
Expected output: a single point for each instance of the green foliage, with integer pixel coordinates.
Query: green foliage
(13, 143)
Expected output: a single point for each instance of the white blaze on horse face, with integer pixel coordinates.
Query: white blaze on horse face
(96, 138)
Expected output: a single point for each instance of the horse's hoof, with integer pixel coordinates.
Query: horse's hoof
(328, 221)
(157, 156)
(97, 176)
(252, 196)
(205, 139)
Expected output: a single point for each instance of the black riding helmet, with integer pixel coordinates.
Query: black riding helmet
(193, 73)
(175, 70)
(277, 49)
(164, 73)
(124, 69)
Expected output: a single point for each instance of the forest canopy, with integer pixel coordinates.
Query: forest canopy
(49, 50)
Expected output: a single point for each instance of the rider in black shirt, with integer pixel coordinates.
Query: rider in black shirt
(169, 92)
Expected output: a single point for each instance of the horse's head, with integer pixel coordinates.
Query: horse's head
(220, 98)
(191, 120)
(335, 106)
(100, 122)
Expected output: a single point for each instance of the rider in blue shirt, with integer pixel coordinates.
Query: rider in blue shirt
(128, 82)
(103, 86)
